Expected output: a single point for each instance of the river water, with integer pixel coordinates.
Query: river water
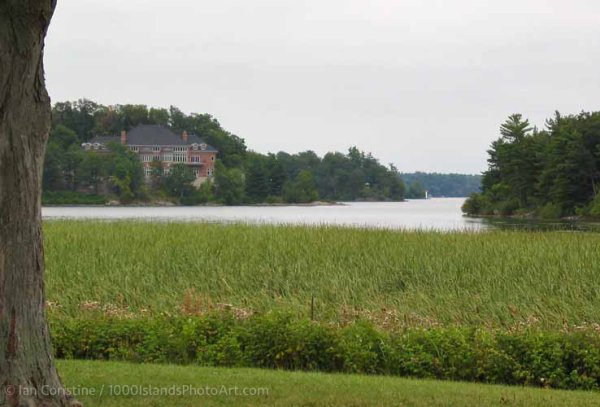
(431, 214)
(437, 213)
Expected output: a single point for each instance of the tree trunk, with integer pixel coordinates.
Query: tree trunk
(27, 372)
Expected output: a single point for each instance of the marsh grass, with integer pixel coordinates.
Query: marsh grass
(504, 279)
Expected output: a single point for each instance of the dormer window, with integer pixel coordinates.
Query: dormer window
(195, 146)
(86, 146)
(203, 146)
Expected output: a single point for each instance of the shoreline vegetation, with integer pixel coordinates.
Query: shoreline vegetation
(241, 176)
(458, 306)
(161, 204)
(533, 216)
(442, 278)
(543, 174)
(73, 175)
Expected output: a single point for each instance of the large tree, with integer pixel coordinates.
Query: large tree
(27, 369)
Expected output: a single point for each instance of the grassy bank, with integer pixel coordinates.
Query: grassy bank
(396, 279)
(290, 389)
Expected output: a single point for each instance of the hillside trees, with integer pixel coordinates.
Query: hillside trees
(248, 176)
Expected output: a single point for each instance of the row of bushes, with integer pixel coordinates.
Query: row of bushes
(558, 360)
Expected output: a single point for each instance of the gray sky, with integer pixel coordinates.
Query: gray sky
(423, 84)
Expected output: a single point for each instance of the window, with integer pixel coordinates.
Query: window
(167, 157)
(195, 159)
(203, 146)
(148, 171)
(210, 172)
(166, 171)
(179, 158)
(180, 149)
(212, 158)
(195, 146)
(155, 148)
(156, 157)
(146, 158)
(134, 148)
(196, 172)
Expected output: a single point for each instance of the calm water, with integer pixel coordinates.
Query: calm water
(437, 213)
(441, 214)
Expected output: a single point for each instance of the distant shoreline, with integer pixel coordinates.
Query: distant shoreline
(166, 204)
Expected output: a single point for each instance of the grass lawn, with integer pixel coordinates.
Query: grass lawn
(293, 388)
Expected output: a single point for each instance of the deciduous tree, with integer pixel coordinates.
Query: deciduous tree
(25, 351)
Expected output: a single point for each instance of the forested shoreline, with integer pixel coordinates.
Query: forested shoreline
(549, 173)
(440, 185)
(242, 176)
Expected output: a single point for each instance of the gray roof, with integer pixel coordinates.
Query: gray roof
(153, 135)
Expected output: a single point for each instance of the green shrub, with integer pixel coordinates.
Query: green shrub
(507, 207)
(550, 211)
(278, 341)
(565, 360)
(594, 207)
(476, 204)
(366, 350)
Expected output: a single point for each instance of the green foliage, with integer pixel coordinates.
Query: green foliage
(68, 168)
(178, 183)
(93, 169)
(595, 207)
(302, 190)
(71, 198)
(257, 178)
(477, 204)
(416, 191)
(246, 177)
(125, 173)
(229, 184)
(535, 358)
(355, 175)
(554, 172)
(550, 211)
(204, 193)
(445, 185)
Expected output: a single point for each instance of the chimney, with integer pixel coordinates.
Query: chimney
(184, 136)
(123, 137)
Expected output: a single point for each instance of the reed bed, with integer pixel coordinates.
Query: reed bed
(506, 279)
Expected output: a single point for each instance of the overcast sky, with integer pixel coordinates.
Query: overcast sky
(423, 84)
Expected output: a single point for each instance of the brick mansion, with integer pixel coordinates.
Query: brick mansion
(159, 143)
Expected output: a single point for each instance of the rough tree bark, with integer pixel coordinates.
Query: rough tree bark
(27, 372)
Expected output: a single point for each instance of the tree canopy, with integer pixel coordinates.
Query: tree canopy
(551, 173)
(241, 176)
